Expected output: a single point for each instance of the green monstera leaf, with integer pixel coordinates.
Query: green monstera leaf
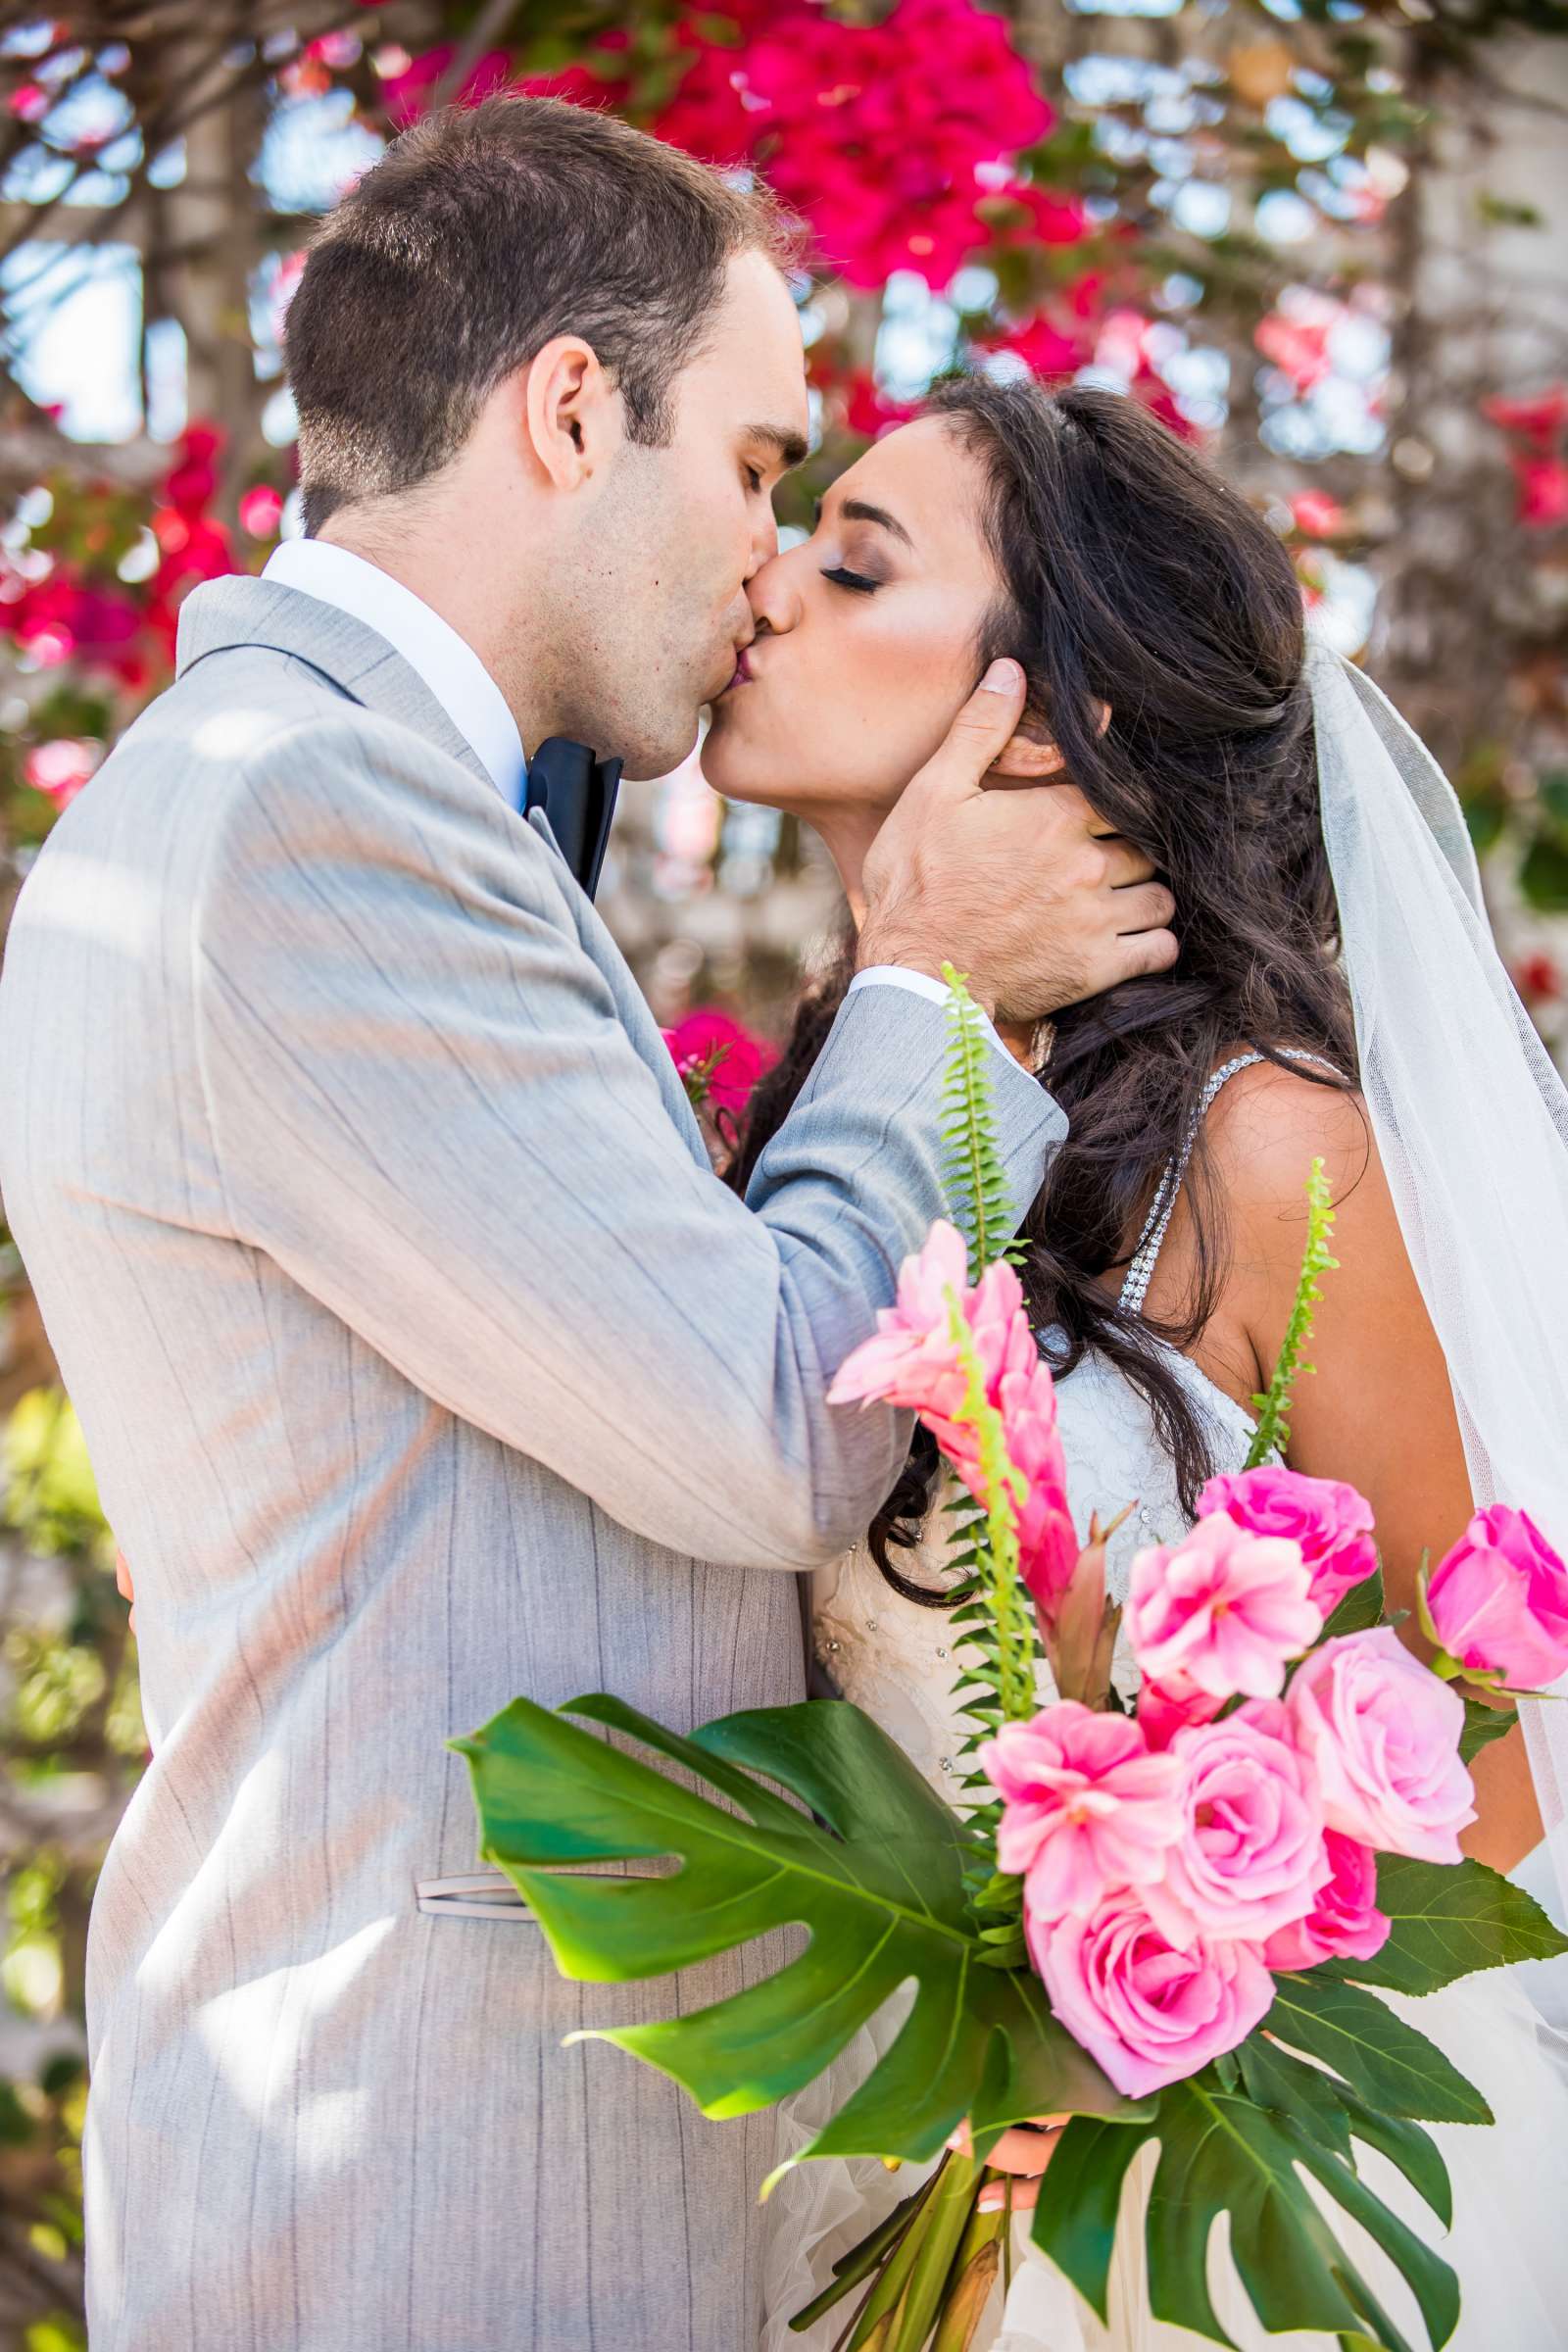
(1239, 2149)
(874, 1869)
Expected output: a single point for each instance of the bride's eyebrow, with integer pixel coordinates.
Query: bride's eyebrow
(859, 510)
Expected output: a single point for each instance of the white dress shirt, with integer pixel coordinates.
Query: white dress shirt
(450, 668)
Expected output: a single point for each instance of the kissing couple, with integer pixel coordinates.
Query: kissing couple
(424, 1358)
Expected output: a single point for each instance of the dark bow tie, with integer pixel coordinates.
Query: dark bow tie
(578, 793)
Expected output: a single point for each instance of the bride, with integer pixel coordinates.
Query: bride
(1317, 1009)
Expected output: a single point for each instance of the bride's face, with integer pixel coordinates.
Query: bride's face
(868, 636)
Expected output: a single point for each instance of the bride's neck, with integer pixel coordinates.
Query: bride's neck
(847, 834)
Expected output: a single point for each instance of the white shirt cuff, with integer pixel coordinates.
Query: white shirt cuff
(897, 975)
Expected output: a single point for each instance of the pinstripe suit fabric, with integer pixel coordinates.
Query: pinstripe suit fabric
(422, 1363)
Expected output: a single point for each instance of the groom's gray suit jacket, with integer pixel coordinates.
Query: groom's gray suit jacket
(422, 1363)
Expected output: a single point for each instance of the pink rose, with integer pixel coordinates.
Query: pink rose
(1382, 1731)
(1224, 1607)
(1499, 1600)
(1344, 1922)
(1169, 1707)
(1147, 2011)
(1085, 1806)
(1330, 1522)
(1250, 1857)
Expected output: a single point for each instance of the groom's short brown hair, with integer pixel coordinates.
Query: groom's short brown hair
(479, 236)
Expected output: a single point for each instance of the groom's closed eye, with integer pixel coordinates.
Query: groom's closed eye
(784, 448)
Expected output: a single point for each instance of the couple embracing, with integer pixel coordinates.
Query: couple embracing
(424, 1360)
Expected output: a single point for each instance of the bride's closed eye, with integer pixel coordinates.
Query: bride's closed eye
(850, 579)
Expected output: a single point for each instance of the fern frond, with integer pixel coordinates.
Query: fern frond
(979, 1196)
(1274, 1404)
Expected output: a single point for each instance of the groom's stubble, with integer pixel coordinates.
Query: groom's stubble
(656, 561)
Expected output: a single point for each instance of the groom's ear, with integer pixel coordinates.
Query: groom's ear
(571, 414)
(1032, 753)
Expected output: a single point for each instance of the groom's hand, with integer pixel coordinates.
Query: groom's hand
(1019, 886)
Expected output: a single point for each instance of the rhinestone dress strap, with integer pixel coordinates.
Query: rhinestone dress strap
(1140, 1272)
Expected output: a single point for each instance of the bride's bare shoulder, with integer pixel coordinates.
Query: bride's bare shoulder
(1266, 1128)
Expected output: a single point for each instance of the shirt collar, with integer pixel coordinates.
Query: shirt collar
(431, 647)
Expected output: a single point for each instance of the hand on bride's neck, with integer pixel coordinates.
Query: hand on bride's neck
(847, 834)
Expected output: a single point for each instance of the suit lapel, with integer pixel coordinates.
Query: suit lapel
(351, 658)
(632, 1007)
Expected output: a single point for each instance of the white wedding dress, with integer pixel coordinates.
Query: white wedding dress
(893, 1658)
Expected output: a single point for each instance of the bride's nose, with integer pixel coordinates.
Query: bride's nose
(773, 596)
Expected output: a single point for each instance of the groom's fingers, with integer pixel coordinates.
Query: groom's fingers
(983, 728)
(1025, 2149)
(1148, 908)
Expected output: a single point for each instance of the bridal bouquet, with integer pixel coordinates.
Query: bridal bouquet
(1168, 1917)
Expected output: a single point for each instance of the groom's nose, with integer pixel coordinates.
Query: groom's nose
(764, 542)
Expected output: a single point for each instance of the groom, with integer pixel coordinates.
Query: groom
(421, 1359)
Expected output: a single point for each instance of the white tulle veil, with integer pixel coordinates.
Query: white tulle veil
(1471, 1119)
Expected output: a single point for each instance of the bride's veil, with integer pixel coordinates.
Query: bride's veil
(1471, 1119)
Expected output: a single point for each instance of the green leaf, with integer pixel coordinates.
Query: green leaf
(1482, 1725)
(877, 1878)
(1430, 2278)
(1273, 1429)
(1311, 2098)
(1075, 2218)
(1373, 2047)
(1410, 2148)
(1449, 1919)
(1221, 2154)
(1361, 1609)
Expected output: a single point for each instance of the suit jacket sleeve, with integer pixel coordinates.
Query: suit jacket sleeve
(426, 1109)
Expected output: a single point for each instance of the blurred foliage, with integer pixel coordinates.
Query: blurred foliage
(72, 1742)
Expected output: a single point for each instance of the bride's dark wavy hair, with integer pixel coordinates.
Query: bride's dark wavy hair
(1135, 577)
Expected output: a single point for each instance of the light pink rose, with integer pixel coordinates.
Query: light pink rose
(1344, 1922)
(1147, 2012)
(1225, 1608)
(1330, 1522)
(1500, 1600)
(1084, 1805)
(1166, 1708)
(1250, 1857)
(1383, 1732)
